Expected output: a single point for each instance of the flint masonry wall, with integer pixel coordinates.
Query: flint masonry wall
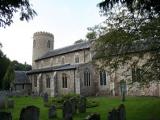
(42, 43)
(69, 58)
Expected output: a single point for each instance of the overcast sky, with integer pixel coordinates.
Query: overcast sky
(66, 19)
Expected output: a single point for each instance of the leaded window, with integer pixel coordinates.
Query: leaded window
(64, 80)
(87, 81)
(102, 75)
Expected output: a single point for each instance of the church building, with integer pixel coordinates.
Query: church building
(70, 70)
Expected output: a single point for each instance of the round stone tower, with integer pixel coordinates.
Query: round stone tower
(42, 43)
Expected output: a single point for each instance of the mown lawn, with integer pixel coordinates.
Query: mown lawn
(137, 108)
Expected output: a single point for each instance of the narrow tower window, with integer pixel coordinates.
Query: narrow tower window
(49, 44)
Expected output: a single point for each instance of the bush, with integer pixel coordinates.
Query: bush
(58, 101)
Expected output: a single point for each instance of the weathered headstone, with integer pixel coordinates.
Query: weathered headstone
(113, 115)
(82, 105)
(73, 104)
(52, 112)
(10, 103)
(94, 116)
(2, 102)
(30, 113)
(67, 110)
(122, 112)
(45, 98)
(5, 116)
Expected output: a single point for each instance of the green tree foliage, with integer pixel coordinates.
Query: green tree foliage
(127, 30)
(143, 7)
(4, 63)
(21, 67)
(8, 8)
(91, 36)
(8, 77)
(6, 69)
(79, 41)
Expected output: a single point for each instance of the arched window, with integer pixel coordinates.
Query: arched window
(76, 58)
(47, 81)
(35, 80)
(102, 75)
(49, 44)
(63, 60)
(87, 80)
(64, 80)
(136, 74)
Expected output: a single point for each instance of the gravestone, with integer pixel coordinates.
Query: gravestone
(94, 116)
(5, 116)
(10, 103)
(45, 97)
(67, 110)
(122, 112)
(73, 104)
(2, 102)
(113, 115)
(82, 105)
(52, 112)
(30, 113)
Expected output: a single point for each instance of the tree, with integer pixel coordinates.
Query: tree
(4, 63)
(125, 28)
(79, 41)
(147, 8)
(21, 67)
(91, 36)
(9, 77)
(8, 8)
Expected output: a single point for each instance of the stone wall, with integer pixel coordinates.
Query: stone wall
(124, 72)
(87, 90)
(40, 45)
(69, 58)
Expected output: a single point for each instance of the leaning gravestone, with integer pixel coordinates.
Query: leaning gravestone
(45, 98)
(10, 103)
(5, 116)
(121, 112)
(94, 116)
(30, 113)
(52, 112)
(67, 110)
(2, 102)
(82, 105)
(73, 104)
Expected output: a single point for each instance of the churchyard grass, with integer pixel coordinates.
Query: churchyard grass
(137, 108)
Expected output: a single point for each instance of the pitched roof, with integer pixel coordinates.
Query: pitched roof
(21, 77)
(68, 49)
(55, 68)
